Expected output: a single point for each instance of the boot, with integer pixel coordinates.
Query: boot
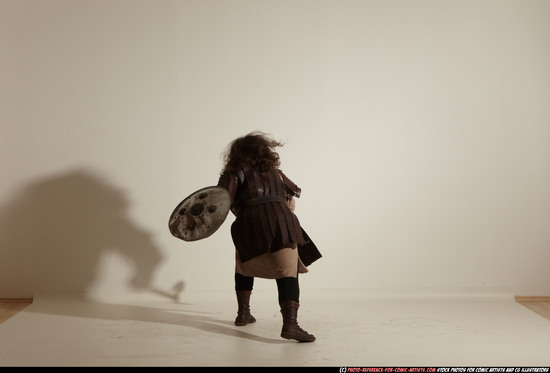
(243, 314)
(291, 330)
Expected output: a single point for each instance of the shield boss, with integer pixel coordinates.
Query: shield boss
(200, 214)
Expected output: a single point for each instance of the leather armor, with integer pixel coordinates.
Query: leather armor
(264, 222)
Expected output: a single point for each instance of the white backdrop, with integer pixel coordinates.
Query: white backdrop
(419, 132)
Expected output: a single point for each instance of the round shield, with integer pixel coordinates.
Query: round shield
(201, 214)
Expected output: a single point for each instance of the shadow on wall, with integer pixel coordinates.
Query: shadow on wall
(54, 232)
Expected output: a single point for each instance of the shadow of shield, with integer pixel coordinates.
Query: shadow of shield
(55, 230)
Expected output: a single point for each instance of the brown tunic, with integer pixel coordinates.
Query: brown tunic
(266, 232)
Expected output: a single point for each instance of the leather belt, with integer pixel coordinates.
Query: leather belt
(263, 199)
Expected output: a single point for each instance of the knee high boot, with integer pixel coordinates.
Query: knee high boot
(243, 313)
(291, 330)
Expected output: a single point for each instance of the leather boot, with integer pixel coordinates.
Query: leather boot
(291, 330)
(243, 313)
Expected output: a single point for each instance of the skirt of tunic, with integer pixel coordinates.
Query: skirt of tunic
(282, 263)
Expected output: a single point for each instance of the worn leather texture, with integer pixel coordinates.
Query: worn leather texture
(264, 222)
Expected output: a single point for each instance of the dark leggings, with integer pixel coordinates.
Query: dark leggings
(288, 287)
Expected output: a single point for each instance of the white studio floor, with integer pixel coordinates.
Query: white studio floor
(353, 328)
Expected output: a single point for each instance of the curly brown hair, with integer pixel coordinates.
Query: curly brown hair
(256, 149)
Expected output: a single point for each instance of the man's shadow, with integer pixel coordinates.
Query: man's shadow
(53, 234)
(178, 315)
